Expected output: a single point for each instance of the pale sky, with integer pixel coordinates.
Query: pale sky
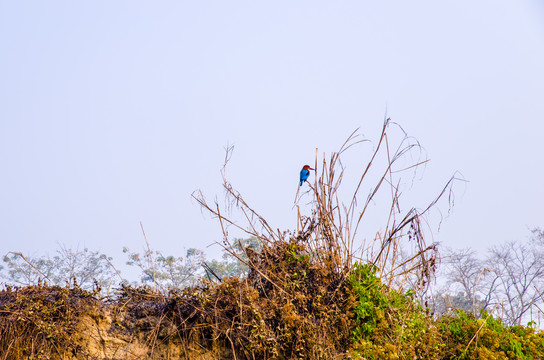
(114, 112)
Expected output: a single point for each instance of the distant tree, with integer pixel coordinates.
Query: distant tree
(465, 270)
(468, 287)
(85, 267)
(444, 302)
(518, 271)
(168, 272)
(232, 264)
(510, 279)
(27, 270)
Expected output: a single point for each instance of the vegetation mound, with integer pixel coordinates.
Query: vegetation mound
(309, 313)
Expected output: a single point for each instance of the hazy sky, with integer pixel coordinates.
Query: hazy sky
(114, 112)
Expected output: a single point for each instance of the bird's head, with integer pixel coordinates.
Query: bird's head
(307, 167)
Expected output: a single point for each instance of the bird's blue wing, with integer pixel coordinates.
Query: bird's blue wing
(304, 174)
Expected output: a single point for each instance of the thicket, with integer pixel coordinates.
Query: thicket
(319, 292)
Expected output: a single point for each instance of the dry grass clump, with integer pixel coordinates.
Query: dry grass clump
(38, 322)
(288, 307)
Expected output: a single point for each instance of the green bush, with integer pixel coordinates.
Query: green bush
(392, 325)
(467, 337)
(389, 324)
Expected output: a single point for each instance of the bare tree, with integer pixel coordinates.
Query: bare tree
(511, 278)
(463, 283)
(519, 272)
(465, 269)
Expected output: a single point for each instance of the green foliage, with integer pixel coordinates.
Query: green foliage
(370, 300)
(491, 339)
(389, 324)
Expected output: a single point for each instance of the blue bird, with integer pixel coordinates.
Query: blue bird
(305, 173)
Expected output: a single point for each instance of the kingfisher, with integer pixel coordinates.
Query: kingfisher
(305, 173)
